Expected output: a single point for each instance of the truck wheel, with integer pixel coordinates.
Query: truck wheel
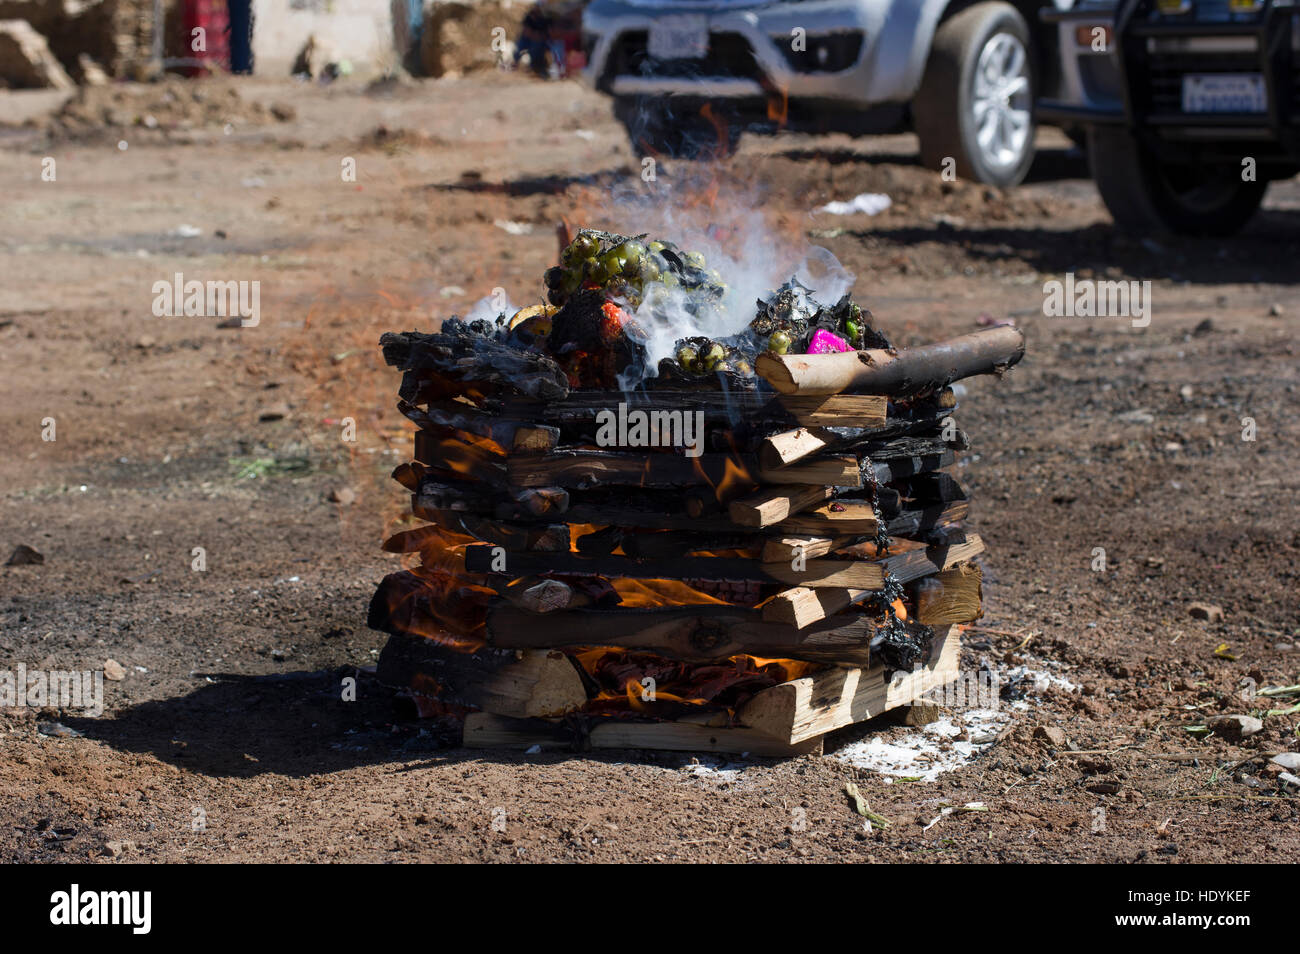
(652, 128)
(1144, 195)
(975, 107)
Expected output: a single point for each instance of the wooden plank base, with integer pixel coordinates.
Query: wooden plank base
(811, 706)
(483, 730)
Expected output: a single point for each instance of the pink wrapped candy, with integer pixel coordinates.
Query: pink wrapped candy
(824, 342)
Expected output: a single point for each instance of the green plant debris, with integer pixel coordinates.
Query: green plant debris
(862, 808)
(1279, 691)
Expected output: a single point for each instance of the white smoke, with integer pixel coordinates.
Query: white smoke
(752, 257)
(490, 307)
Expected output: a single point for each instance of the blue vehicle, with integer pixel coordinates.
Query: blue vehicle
(1189, 107)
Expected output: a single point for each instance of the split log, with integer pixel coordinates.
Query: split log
(909, 560)
(810, 706)
(454, 415)
(595, 468)
(454, 457)
(701, 633)
(889, 470)
(912, 522)
(991, 351)
(733, 409)
(838, 471)
(844, 410)
(487, 731)
(582, 468)
(789, 446)
(700, 502)
(544, 596)
(538, 439)
(542, 501)
(785, 549)
(659, 546)
(535, 682)
(805, 605)
(537, 537)
(856, 518)
(839, 517)
(775, 504)
(409, 475)
(953, 596)
(437, 493)
(481, 559)
(581, 408)
(900, 438)
(911, 445)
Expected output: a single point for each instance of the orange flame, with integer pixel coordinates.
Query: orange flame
(734, 481)
(651, 593)
(778, 107)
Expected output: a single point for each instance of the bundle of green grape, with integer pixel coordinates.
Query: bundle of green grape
(625, 284)
(753, 499)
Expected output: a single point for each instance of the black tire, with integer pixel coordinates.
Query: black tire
(654, 128)
(1145, 196)
(942, 109)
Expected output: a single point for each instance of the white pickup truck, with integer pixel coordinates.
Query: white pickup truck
(687, 76)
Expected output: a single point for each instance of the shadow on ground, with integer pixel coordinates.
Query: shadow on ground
(1264, 253)
(297, 724)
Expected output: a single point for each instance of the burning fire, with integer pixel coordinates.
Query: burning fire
(643, 683)
(444, 603)
(734, 481)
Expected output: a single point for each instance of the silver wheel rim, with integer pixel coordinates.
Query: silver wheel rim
(1001, 101)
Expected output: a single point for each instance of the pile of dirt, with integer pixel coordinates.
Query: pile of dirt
(171, 104)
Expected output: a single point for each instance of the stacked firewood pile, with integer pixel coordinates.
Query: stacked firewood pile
(734, 558)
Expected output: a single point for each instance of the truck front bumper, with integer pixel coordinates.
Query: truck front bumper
(752, 55)
(1139, 81)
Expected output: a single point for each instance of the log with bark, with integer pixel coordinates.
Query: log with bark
(930, 367)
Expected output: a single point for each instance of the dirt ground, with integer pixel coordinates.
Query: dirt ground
(227, 739)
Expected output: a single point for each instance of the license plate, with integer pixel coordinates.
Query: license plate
(684, 37)
(1224, 93)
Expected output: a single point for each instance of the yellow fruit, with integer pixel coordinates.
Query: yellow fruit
(532, 311)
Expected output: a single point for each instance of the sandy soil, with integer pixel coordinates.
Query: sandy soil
(227, 740)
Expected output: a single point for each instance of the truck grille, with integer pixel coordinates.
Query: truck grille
(730, 57)
(1166, 72)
